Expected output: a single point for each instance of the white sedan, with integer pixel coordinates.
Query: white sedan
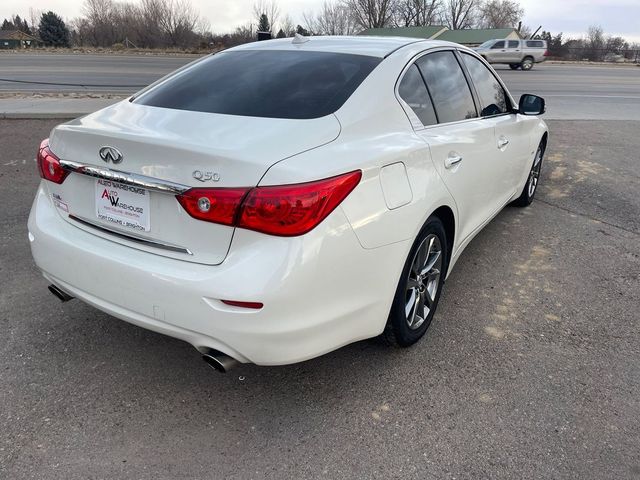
(281, 199)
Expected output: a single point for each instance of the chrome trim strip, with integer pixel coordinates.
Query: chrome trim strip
(150, 183)
(131, 237)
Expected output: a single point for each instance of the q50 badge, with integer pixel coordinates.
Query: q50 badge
(205, 176)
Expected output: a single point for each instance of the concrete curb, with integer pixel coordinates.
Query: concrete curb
(66, 108)
(41, 115)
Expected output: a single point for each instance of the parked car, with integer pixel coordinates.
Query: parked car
(281, 199)
(516, 53)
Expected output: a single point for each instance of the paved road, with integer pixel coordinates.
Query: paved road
(580, 91)
(530, 370)
(101, 73)
(572, 91)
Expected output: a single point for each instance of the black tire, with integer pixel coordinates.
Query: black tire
(514, 66)
(528, 192)
(398, 331)
(527, 63)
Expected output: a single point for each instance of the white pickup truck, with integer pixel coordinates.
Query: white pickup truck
(516, 53)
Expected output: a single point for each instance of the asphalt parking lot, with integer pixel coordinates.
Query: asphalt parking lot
(530, 370)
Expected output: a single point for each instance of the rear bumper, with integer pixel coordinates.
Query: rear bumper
(320, 291)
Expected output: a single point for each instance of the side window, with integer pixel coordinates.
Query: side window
(448, 86)
(493, 99)
(414, 92)
(535, 44)
(499, 44)
(514, 44)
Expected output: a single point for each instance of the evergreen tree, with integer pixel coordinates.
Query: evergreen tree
(281, 34)
(53, 31)
(263, 25)
(300, 30)
(6, 25)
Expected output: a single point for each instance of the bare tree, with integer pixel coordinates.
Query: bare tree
(594, 43)
(269, 8)
(500, 14)
(371, 13)
(100, 29)
(179, 21)
(412, 13)
(459, 14)
(148, 32)
(149, 24)
(334, 18)
(287, 26)
(35, 15)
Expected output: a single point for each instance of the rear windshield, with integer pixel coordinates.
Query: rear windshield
(265, 83)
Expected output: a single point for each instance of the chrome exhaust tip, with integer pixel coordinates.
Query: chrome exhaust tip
(62, 296)
(219, 361)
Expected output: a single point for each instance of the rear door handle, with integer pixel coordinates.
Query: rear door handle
(502, 142)
(452, 160)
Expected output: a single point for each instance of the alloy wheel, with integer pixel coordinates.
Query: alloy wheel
(534, 175)
(423, 281)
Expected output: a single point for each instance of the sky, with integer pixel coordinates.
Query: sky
(573, 17)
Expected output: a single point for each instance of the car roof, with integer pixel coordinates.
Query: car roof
(360, 45)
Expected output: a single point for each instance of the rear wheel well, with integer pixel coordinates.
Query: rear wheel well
(445, 214)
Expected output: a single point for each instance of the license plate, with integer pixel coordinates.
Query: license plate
(123, 205)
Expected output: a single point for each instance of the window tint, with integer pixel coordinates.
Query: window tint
(514, 43)
(499, 44)
(265, 83)
(493, 100)
(448, 86)
(535, 43)
(414, 92)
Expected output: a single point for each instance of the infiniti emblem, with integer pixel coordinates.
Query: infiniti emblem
(110, 154)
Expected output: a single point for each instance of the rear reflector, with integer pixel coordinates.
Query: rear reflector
(236, 303)
(49, 165)
(284, 210)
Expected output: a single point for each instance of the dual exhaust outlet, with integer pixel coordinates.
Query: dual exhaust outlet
(217, 360)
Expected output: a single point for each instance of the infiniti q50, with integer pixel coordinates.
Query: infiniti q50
(280, 199)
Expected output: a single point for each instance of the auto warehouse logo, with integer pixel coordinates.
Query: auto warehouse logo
(112, 196)
(114, 199)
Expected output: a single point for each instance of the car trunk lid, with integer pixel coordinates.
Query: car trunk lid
(175, 148)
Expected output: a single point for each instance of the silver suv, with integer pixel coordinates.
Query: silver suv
(516, 53)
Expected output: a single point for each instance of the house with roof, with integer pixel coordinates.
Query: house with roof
(17, 39)
(427, 31)
(470, 37)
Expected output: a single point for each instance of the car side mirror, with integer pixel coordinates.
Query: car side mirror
(531, 105)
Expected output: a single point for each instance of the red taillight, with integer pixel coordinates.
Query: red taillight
(290, 210)
(49, 164)
(546, 53)
(217, 205)
(285, 210)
